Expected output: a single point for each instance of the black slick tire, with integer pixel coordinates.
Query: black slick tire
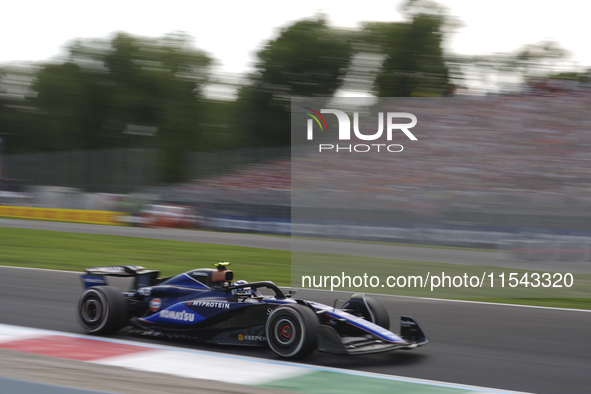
(102, 310)
(291, 331)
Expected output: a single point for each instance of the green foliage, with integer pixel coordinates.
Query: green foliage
(14, 111)
(70, 100)
(308, 59)
(414, 63)
(75, 252)
(263, 120)
(537, 60)
(533, 56)
(584, 76)
(87, 101)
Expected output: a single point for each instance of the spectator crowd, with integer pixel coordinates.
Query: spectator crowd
(491, 153)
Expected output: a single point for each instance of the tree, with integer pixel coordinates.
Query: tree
(581, 76)
(16, 113)
(531, 61)
(308, 59)
(71, 100)
(105, 85)
(414, 63)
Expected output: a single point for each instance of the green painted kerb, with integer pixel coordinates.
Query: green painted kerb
(338, 383)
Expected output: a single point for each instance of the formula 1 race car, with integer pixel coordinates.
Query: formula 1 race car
(205, 306)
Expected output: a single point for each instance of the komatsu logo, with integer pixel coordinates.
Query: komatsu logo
(212, 304)
(180, 316)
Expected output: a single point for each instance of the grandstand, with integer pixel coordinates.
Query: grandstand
(495, 154)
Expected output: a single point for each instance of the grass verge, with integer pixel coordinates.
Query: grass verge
(75, 252)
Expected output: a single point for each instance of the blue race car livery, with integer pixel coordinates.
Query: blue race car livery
(204, 305)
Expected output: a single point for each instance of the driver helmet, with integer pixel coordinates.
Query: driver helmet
(241, 290)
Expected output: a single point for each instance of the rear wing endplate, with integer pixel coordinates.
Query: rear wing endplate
(96, 276)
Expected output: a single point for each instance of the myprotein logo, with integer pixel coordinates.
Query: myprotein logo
(211, 304)
(392, 126)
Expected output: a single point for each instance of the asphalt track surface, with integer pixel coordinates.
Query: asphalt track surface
(507, 347)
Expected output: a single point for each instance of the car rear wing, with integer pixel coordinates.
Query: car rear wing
(96, 276)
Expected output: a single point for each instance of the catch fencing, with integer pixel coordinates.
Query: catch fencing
(124, 170)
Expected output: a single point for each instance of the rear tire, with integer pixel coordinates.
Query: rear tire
(102, 310)
(291, 331)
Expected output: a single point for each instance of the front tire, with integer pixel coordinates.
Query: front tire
(102, 310)
(291, 331)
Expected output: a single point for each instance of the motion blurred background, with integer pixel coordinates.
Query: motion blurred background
(126, 119)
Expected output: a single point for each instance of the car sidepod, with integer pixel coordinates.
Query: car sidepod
(213, 321)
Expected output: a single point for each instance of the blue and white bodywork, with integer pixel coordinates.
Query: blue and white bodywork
(204, 305)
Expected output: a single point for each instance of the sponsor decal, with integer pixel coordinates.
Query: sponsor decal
(145, 291)
(251, 338)
(71, 215)
(179, 316)
(109, 269)
(94, 280)
(255, 338)
(155, 304)
(211, 304)
(345, 131)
